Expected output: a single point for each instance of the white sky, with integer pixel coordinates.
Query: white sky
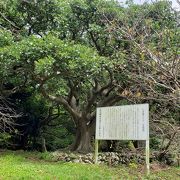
(174, 2)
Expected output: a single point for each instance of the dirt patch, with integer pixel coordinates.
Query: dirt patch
(34, 159)
(154, 167)
(159, 167)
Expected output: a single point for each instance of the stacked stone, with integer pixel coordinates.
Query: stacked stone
(109, 158)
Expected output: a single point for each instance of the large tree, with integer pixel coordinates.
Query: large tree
(151, 65)
(73, 76)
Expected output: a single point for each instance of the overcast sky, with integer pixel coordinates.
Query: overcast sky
(174, 2)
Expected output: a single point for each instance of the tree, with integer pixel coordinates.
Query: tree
(151, 64)
(70, 75)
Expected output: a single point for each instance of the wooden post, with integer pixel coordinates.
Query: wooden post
(178, 159)
(147, 157)
(44, 145)
(96, 151)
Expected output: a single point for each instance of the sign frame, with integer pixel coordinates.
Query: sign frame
(147, 151)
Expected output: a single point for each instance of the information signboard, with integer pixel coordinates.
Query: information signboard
(129, 122)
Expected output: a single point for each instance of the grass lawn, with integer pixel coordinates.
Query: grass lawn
(28, 165)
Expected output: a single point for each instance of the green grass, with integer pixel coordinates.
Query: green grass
(21, 165)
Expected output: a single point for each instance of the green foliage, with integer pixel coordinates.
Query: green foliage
(6, 38)
(60, 136)
(28, 17)
(86, 22)
(38, 15)
(4, 137)
(155, 143)
(49, 56)
(58, 132)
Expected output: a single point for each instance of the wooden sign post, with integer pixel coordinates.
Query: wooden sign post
(129, 122)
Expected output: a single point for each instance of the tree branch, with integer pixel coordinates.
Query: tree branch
(60, 100)
(11, 23)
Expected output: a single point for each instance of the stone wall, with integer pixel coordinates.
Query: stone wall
(110, 158)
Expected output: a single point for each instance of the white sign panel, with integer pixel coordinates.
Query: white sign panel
(129, 122)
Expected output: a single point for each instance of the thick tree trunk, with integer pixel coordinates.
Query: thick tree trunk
(83, 137)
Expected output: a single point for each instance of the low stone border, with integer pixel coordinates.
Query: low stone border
(109, 158)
